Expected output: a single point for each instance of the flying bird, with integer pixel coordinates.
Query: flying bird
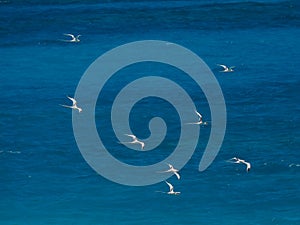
(171, 192)
(200, 120)
(74, 105)
(171, 170)
(74, 39)
(237, 160)
(134, 141)
(226, 68)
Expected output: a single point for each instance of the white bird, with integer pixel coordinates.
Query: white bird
(134, 141)
(237, 160)
(171, 170)
(200, 121)
(74, 39)
(226, 68)
(74, 106)
(171, 192)
(293, 164)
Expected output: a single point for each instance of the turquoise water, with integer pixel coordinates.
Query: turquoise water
(45, 180)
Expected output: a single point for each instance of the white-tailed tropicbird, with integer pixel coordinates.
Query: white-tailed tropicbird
(74, 39)
(74, 105)
(237, 160)
(134, 141)
(171, 192)
(200, 120)
(171, 170)
(226, 68)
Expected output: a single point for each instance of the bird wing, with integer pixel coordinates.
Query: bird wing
(171, 167)
(177, 175)
(73, 100)
(143, 144)
(248, 165)
(235, 158)
(225, 67)
(170, 186)
(132, 136)
(71, 35)
(242, 161)
(198, 114)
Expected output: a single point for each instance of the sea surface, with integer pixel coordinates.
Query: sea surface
(44, 179)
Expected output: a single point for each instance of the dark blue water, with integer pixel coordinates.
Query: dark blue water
(45, 180)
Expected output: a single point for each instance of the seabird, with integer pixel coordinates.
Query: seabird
(74, 39)
(200, 121)
(74, 106)
(237, 160)
(171, 170)
(171, 192)
(134, 141)
(226, 68)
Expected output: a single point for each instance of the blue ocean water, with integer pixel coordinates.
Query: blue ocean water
(45, 180)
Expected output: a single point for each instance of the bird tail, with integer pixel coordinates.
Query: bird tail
(191, 123)
(161, 171)
(67, 106)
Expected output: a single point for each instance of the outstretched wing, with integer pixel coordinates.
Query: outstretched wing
(225, 67)
(171, 167)
(73, 100)
(248, 166)
(132, 136)
(198, 114)
(170, 186)
(71, 35)
(177, 175)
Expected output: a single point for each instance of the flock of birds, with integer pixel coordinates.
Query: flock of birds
(176, 173)
(171, 169)
(135, 140)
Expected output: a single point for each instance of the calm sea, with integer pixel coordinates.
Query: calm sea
(44, 178)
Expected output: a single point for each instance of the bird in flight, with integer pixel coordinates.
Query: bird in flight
(171, 170)
(74, 39)
(237, 160)
(171, 192)
(200, 120)
(226, 68)
(134, 141)
(74, 105)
